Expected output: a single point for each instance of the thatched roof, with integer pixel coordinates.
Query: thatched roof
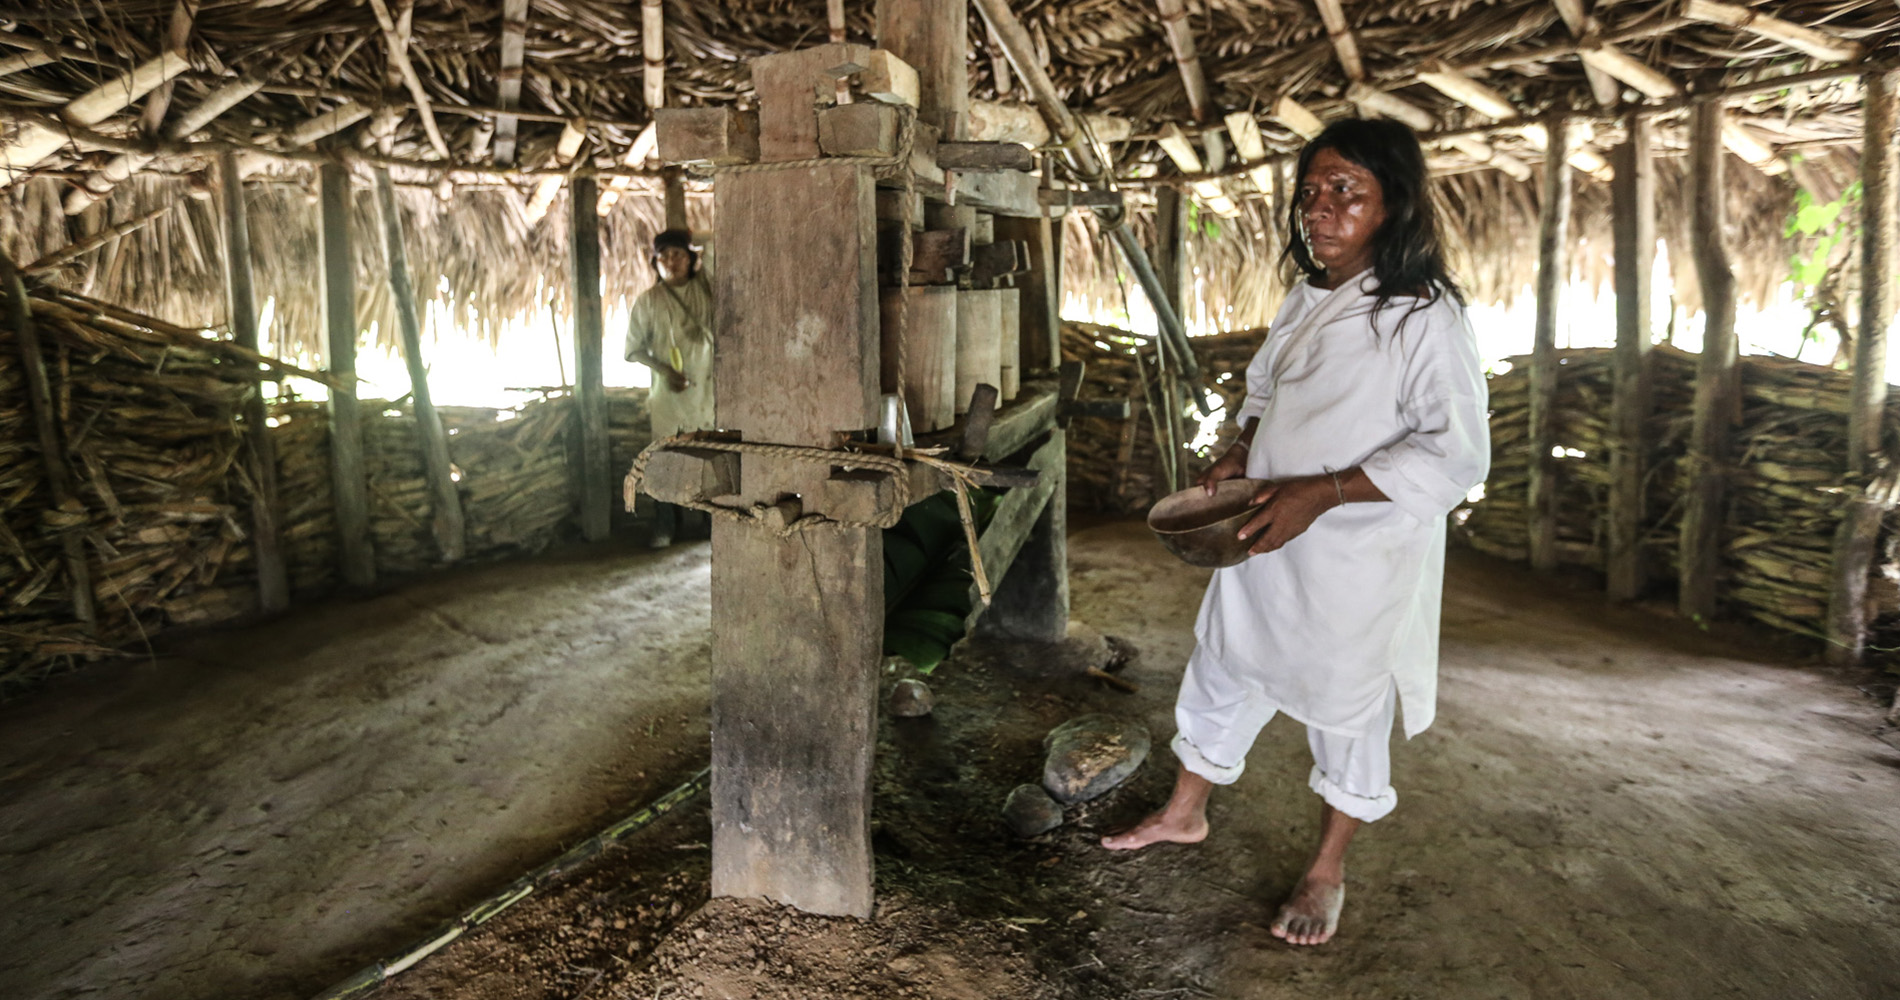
(583, 59)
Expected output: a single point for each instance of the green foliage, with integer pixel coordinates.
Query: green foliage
(927, 578)
(1207, 224)
(1820, 227)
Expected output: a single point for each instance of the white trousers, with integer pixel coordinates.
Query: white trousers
(1218, 716)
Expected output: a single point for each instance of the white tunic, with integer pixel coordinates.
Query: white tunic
(1329, 623)
(674, 324)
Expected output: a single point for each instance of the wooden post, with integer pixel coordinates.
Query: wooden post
(928, 314)
(797, 622)
(589, 395)
(1553, 226)
(1633, 193)
(447, 524)
(273, 581)
(349, 482)
(1039, 312)
(1717, 393)
(1032, 601)
(979, 343)
(1170, 241)
(933, 36)
(673, 185)
(59, 476)
(1859, 532)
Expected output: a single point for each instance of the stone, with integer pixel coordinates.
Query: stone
(1029, 811)
(1091, 754)
(911, 698)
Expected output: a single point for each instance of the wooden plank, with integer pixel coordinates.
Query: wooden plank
(590, 397)
(929, 318)
(1552, 268)
(803, 333)
(979, 344)
(1039, 322)
(790, 86)
(1181, 41)
(1170, 240)
(1009, 320)
(1633, 194)
(1015, 520)
(1717, 392)
(349, 482)
(1023, 421)
(447, 524)
(933, 36)
(797, 640)
(997, 260)
(1000, 192)
(46, 427)
(985, 156)
(706, 135)
(1859, 532)
(514, 36)
(863, 129)
(267, 541)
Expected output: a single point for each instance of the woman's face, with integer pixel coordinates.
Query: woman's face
(1341, 207)
(676, 265)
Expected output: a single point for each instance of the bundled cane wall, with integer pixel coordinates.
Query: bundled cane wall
(148, 417)
(1785, 501)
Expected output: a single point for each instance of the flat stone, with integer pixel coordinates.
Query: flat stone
(1029, 811)
(1091, 754)
(911, 698)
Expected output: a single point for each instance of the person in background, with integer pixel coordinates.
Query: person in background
(670, 332)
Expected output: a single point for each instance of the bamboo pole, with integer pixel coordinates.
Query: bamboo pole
(1633, 194)
(1552, 265)
(514, 36)
(447, 525)
(591, 398)
(1717, 392)
(349, 480)
(1859, 532)
(267, 542)
(59, 477)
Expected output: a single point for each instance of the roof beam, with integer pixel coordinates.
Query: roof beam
(37, 141)
(1583, 26)
(1181, 150)
(514, 37)
(184, 12)
(100, 183)
(1297, 117)
(1181, 41)
(572, 135)
(1252, 149)
(1344, 45)
(1447, 80)
(653, 52)
(1616, 63)
(1818, 44)
(398, 41)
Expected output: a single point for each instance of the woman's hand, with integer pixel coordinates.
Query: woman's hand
(1231, 465)
(1291, 506)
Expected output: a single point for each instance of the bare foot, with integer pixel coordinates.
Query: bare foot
(1312, 914)
(1159, 828)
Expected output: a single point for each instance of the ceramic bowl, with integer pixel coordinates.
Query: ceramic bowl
(1199, 529)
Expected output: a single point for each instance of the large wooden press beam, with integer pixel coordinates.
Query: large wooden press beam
(590, 397)
(267, 542)
(1859, 532)
(1633, 225)
(1553, 265)
(1717, 391)
(349, 480)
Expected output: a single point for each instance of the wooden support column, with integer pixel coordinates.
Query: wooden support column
(1633, 195)
(1717, 391)
(1040, 311)
(267, 542)
(590, 397)
(447, 524)
(673, 186)
(1032, 601)
(1859, 532)
(1553, 264)
(349, 482)
(1170, 241)
(59, 476)
(933, 36)
(797, 622)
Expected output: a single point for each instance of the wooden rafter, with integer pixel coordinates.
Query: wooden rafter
(184, 12)
(1344, 45)
(397, 38)
(514, 39)
(1181, 40)
(1582, 26)
(39, 140)
(1818, 44)
(100, 183)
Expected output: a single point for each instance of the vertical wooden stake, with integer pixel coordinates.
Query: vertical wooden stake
(934, 37)
(1553, 225)
(1040, 336)
(1634, 228)
(1717, 392)
(59, 477)
(273, 581)
(349, 481)
(448, 525)
(1170, 242)
(583, 247)
(1859, 532)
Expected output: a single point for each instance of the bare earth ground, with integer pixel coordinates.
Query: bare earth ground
(1610, 805)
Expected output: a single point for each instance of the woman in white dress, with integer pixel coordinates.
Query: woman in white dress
(1366, 408)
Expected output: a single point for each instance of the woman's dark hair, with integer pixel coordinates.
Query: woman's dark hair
(1407, 257)
(668, 239)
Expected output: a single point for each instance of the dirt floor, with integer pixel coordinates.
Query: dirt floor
(1611, 804)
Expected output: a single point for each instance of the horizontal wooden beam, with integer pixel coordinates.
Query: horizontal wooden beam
(985, 156)
(1818, 44)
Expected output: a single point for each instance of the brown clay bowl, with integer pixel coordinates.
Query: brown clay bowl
(1200, 529)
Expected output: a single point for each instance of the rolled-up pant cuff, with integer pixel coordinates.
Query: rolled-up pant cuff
(1197, 763)
(1359, 807)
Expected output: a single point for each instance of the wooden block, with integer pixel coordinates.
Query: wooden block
(889, 79)
(796, 645)
(1080, 198)
(706, 135)
(984, 232)
(997, 260)
(859, 495)
(901, 205)
(985, 156)
(1003, 192)
(937, 256)
(929, 315)
(797, 309)
(923, 157)
(681, 475)
(979, 344)
(858, 130)
(1009, 311)
(791, 87)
